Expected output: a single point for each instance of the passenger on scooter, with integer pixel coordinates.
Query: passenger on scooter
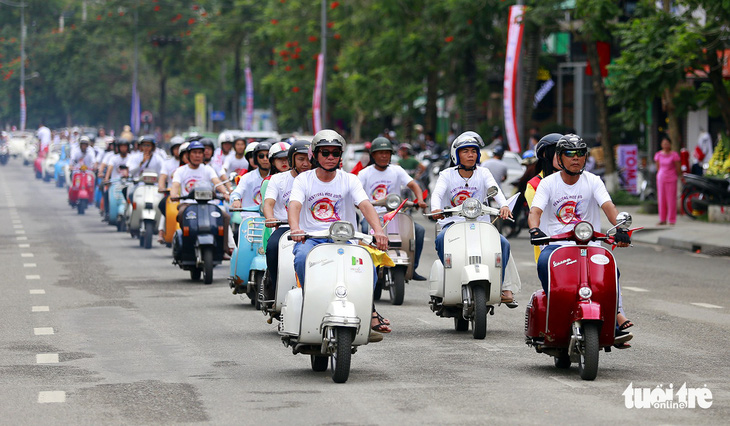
(468, 180)
(195, 172)
(563, 199)
(224, 150)
(277, 189)
(236, 161)
(118, 160)
(248, 191)
(148, 161)
(325, 195)
(381, 178)
(164, 179)
(84, 155)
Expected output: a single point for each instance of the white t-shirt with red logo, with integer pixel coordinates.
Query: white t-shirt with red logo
(115, 162)
(234, 164)
(326, 202)
(451, 190)
(189, 178)
(279, 190)
(248, 191)
(563, 205)
(378, 184)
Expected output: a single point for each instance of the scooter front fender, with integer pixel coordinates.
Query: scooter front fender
(149, 214)
(341, 313)
(258, 263)
(474, 273)
(588, 311)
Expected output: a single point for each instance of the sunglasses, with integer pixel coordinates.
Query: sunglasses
(261, 156)
(575, 153)
(336, 154)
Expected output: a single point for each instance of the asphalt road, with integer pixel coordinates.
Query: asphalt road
(96, 330)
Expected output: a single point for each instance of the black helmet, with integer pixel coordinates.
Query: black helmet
(262, 146)
(570, 142)
(546, 141)
(381, 144)
(300, 146)
(207, 142)
(193, 137)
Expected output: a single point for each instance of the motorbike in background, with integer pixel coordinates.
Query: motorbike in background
(401, 249)
(144, 215)
(81, 190)
(699, 192)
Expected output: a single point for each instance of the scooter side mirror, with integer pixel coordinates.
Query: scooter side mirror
(623, 220)
(492, 191)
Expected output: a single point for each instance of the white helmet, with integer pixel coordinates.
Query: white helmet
(249, 148)
(464, 140)
(225, 137)
(327, 137)
(278, 150)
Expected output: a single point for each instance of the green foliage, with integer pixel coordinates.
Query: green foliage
(623, 198)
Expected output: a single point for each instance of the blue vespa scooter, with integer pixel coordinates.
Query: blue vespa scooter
(248, 261)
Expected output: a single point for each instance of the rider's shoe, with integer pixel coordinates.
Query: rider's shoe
(622, 337)
(375, 337)
(418, 277)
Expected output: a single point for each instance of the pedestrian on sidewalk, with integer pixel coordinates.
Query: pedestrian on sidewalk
(668, 172)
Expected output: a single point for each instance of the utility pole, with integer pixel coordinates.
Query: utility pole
(323, 106)
(23, 110)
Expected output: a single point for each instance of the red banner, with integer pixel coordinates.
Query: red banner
(317, 96)
(22, 109)
(512, 58)
(249, 99)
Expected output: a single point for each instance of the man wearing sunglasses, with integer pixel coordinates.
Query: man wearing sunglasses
(563, 199)
(327, 194)
(248, 191)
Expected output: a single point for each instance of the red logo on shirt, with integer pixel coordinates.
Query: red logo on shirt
(567, 213)
(380, 192)
(324, 210)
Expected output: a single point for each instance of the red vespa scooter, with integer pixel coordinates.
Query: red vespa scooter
(577, 317)
(81, 191)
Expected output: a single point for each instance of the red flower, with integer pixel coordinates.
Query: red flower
(196, 7)
(274, 21)
(284, 53)
(191, 21)
(295, 89)
(289, 44)
(334, 4)
(469, 22)
(186, 91)
(330, 24)
(121, 13)
(312, 39)
(288, 68)
(336, 67)
(449, 39)
(301, 66)
(295, 56)
(337, 36)
(272, 62)
(98, 17)
(298, 49)
(157, 8)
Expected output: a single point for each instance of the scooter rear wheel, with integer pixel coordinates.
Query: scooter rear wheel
(340, 359)
(398, 285)
(207, 265)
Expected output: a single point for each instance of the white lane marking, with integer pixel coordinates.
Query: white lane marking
(16, 226)
(636, 289)
(32, 277)
(40, 309)
(707, 305)
(23, 245)
(423, 321)
(51, 396)
(21, 238)
(566, 383)
(29, 265)
(19, 231)
(26, 254)
(46, 359)
(16, 221)
(43, 331)
(37, 291)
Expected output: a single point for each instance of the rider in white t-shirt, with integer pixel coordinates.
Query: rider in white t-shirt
(248, 191)
(236, 160)
(381, 178)
(325, 195)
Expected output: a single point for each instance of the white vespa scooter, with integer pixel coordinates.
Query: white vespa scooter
(144, 213)
(330, 316)
(467, 285)
(285, 279)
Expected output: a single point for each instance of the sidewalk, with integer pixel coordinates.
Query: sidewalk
(700, 237)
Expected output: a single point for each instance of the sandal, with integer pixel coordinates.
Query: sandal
(622, 337)
(381, 326)
(625, 325)
(382, 319)
(622, 346)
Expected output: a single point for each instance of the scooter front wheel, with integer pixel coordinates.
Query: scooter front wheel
(340, 359)
(479, 320)
(149, 231)
(588, 360)
(208, 265)
(81, 206)
(398, 285)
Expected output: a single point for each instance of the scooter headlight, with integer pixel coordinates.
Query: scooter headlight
(471, 208)
(583, 232)
(342, 231)
(393, 201)
(585, 293)
(203, 194)
(341, 291)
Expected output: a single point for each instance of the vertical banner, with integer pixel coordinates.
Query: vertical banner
(135, 113)
(317, 96)
(249, 99)
(628, 163)
(200, 111)
(512, 57)
(22, 109)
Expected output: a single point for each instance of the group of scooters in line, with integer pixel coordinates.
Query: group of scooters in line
(330, 313)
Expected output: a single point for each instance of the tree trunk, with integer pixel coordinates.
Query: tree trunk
(601, 102)
(470, 95)
(163, 100)
(532, 44)
(357, 122)
(672, 119)
(715, 75)
(431, 123)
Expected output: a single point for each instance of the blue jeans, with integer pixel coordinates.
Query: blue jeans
(502, 241)
(420, 233)
(301, 250)
(543, 262)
